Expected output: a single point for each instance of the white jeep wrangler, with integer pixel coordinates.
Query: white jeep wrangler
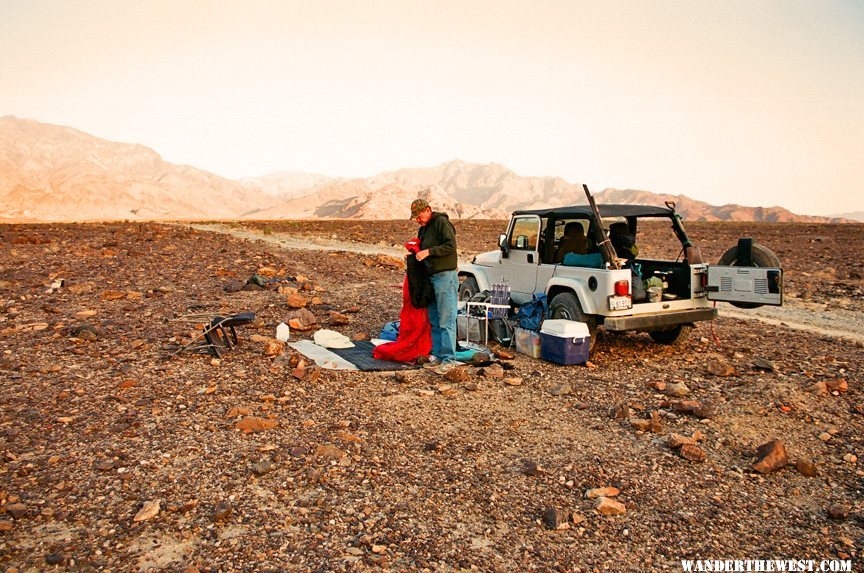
(748, 275)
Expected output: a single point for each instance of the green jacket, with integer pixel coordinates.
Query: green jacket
(439, 236)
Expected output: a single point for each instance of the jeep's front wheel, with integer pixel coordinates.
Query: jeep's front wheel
(566, 306)
(468, 288)
(672, 336)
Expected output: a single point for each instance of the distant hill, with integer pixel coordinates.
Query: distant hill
(55, 173)
(285, 184)
(854, 216)
(466, 190)
(693, 210)
(491, 191)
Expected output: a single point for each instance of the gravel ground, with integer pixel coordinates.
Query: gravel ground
(351, 471)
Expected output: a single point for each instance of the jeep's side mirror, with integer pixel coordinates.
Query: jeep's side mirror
(502, 244)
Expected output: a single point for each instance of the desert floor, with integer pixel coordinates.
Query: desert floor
(121, 451)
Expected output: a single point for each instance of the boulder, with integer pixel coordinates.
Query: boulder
(771, 456)
(763, 364)
(17, 510)
(622, 411)
(560, 389)
(492, 371)
(820, 388)
(339, 319)
(505, 355)
(675, 441)
(329, 452)
(458, 374)
(807, 467)
(222, 511)
(148, 510)
(719, 367)
(555, 518)
(296, 300)
(692, 452)
(677, 389)
(251, 424)
(302, 319)
(533, 469)
(838, 385)
(838, 511)
(653, 425)
(306, 373)
(273, 347)
(606, 506)
(601, 492)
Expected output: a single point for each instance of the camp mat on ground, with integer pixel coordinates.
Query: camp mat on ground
(323, 357)
(357, 358)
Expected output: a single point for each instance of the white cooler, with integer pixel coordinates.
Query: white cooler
(564, 341)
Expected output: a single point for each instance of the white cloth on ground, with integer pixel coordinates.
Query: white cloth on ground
(332, 339)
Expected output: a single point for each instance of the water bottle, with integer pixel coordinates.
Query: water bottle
(282, 332)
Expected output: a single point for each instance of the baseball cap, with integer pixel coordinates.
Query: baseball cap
(417, 207)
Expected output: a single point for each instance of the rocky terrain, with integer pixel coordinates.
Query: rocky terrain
(122, 450)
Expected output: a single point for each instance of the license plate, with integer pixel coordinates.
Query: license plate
(620, 303)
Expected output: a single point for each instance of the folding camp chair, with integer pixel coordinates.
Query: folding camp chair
(221, 335)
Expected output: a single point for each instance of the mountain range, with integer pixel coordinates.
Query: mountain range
(55, 173)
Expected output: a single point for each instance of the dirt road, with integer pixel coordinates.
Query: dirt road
(798, 315)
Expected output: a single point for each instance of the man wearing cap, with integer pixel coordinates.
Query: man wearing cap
(438, 251)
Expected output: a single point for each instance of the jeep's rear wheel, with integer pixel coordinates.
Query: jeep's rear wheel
(763, 257)
(672, 336)
(468, 288)
(566, 306)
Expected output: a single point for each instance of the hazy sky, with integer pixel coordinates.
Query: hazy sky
(752, 102)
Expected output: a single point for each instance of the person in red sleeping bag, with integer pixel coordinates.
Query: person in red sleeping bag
(415, 334)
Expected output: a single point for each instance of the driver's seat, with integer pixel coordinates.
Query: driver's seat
(573, 241)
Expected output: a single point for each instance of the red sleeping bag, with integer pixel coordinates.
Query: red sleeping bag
(415, 334)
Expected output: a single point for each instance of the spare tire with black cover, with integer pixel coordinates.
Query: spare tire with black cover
(566, 306)
(763, 257)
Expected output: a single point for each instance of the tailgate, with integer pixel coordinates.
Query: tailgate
(753, 285)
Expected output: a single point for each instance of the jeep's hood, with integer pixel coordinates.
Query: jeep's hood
(490, 259)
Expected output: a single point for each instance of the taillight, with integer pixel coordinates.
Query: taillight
(622, 288)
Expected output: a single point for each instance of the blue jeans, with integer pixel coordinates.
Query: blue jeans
(442, 315)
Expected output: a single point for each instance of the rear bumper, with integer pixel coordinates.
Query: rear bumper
(659, 321)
